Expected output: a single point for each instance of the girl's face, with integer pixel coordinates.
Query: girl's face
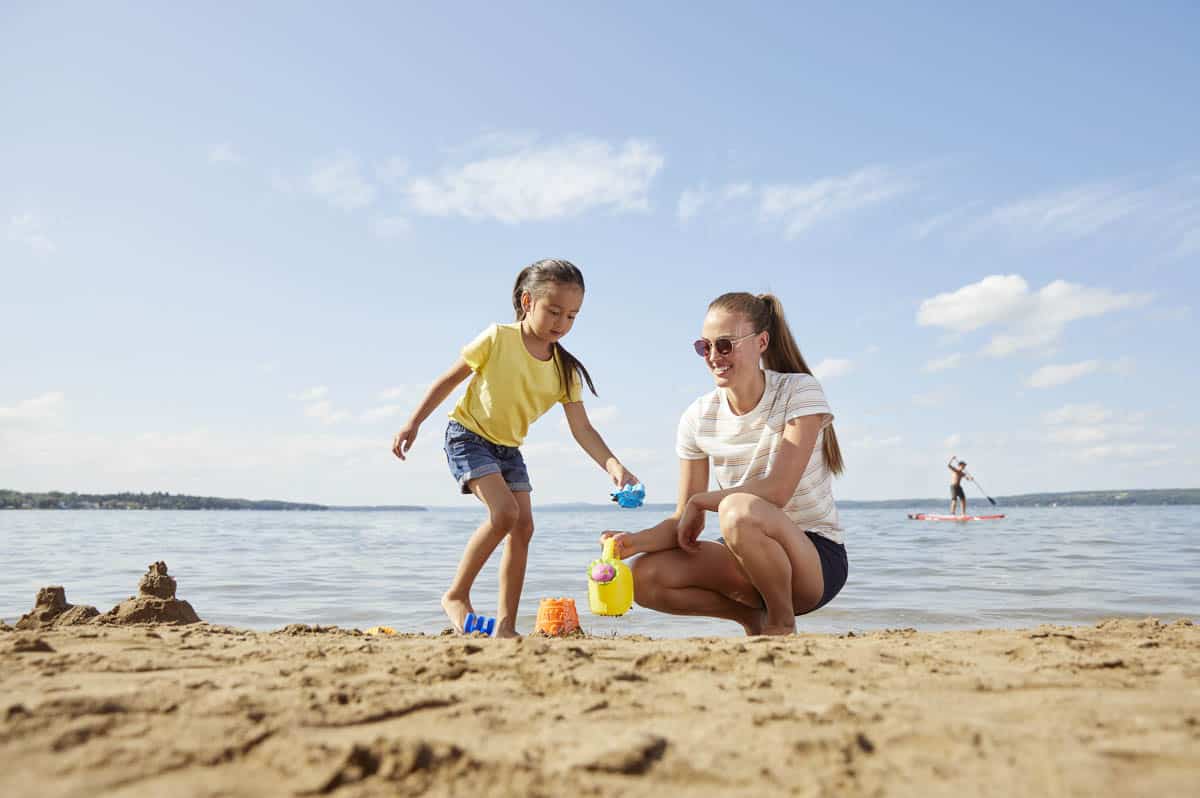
(734, 332)
(551, 312)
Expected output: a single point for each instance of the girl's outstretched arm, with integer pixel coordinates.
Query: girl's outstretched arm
(436, 394)
(591, 442)
(693, 479)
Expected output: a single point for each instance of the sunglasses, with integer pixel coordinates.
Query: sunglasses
(723, 345)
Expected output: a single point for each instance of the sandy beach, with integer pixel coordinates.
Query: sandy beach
(194, 709)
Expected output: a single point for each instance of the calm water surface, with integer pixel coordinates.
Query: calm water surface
(267, 569)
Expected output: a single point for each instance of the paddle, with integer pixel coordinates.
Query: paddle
(981, 490)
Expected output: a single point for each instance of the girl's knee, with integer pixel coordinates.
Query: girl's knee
(504, 516)
(522, 531)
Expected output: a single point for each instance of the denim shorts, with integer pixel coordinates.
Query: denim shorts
(472, 456)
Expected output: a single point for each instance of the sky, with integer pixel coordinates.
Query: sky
(238, 241)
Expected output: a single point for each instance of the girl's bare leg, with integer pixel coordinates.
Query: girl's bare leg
(503, 512)
(512, 567)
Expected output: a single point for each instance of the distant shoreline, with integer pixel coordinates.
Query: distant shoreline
(57, 500)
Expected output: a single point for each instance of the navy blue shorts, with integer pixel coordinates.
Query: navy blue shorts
(472, 456)
(835, 567)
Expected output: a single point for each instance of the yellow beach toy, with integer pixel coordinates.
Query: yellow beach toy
(610, 583)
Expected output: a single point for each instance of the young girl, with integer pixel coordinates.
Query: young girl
(766, 435)
(521, 370)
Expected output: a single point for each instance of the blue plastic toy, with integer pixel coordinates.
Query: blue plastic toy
(479, 623)
(630, 496)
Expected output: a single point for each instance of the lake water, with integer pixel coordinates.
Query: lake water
(359, 569)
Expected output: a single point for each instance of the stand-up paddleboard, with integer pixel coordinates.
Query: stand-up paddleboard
(936, 517)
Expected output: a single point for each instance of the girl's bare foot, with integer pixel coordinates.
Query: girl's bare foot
(457, 610)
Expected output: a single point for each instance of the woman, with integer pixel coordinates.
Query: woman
(766, 434)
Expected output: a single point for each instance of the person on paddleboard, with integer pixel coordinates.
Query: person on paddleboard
(956, 489)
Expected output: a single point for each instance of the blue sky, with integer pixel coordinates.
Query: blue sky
(237, 244)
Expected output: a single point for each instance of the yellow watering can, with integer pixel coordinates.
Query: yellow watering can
(610, 583)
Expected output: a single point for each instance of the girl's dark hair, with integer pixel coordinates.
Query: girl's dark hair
(535, 279)
(765, 313)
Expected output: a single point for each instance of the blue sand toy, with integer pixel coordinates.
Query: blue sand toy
(630, 496)
(479, 623)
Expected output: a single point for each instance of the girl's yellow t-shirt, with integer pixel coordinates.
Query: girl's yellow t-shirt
(511, 388)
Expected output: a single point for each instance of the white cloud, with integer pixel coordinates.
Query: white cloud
(309, 394)
(1078, 414)
(942, 363)
(533, 184)
(397, 392)
(388, 228)
(603, 414)
(1125, 451)
(1050, 376)
(392, 170)
(1078, 435)
(1093, 432)
(1163, 214)
(223, 153)
(1031, 319)
(338, 181)
(952, 442)
(324, 412)
(928, 227)
(1072, 213)
(832, 367)
(48, 405)
(382, 412)
(800, 207)
(691, 201)
(30, 230)
(871, 442)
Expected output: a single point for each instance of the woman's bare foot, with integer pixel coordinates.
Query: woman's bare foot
(754, 621)
(770, 628)
(457, 610)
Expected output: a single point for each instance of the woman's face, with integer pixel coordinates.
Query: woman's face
(723, 329)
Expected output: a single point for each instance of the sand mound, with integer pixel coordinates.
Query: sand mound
(51, 609)
(155, 602)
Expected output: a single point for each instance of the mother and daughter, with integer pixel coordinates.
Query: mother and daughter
(765, 433)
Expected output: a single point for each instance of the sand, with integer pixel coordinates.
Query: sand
(193, 709)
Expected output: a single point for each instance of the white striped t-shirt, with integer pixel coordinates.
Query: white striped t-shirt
(743, 448)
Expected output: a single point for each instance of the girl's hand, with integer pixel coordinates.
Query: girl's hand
(620, 475)
(623, 545)
(403, 441)
(689, 527)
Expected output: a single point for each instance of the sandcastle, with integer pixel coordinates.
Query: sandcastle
(51, 609)
(155, 602)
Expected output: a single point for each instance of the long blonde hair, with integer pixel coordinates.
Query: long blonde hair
(765, 314)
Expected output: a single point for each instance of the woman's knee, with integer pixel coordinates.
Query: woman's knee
(738, 517)
(647, 573)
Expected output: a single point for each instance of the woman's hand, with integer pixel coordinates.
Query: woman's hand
(403, 441)
(689, 527)
(621, 476)
(624, 543)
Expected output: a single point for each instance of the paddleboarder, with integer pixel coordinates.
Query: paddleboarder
(956, 490)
